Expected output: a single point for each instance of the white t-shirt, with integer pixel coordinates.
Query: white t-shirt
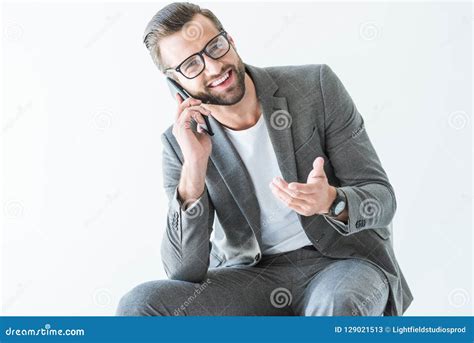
(280, 227)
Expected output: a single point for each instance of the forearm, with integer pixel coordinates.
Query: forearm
(191, 183)
(185, 247)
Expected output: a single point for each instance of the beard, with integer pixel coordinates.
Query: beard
(230, 96)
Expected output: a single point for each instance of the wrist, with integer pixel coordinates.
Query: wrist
(187, 195)
(332, 195)
(338, 208)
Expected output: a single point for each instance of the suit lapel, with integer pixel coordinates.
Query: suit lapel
(278, 121)
(230, 166)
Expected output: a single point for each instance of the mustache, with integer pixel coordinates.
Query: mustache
(213, 77)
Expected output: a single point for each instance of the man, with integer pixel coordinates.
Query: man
(286, 209)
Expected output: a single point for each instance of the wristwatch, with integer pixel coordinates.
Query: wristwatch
(338, 205)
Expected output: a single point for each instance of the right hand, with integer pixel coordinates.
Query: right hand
(196, 148)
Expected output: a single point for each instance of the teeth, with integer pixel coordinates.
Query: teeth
(219, 81)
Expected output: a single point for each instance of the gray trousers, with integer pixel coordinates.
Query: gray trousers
(296, 283)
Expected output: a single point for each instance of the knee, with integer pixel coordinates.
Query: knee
(142, 300)
(331, 302)
(352, 302)
(345, 301)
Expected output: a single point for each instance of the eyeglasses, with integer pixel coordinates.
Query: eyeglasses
(194, 65)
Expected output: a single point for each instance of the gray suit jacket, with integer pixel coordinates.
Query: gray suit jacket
(308, 113)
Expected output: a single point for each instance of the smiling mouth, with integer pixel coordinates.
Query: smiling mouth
(222, 81)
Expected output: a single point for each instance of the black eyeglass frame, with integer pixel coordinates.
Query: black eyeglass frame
(200, 53)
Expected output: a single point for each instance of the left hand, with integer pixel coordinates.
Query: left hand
(313, 197)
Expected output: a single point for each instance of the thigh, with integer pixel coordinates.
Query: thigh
(233, 291)
(345, 288)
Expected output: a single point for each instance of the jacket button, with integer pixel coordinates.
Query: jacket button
(257, 257)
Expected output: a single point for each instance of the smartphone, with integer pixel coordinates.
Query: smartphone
(176, 88)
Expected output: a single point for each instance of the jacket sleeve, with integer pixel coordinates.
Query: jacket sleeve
(186, 245)
(370, 197)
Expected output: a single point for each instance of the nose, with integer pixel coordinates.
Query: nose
(213, 67)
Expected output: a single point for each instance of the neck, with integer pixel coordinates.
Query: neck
(241, 115)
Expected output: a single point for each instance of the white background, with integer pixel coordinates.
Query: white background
(83, 205)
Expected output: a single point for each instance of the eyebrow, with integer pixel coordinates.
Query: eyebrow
(210, 39)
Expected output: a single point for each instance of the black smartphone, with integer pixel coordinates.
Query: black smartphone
(176, 88)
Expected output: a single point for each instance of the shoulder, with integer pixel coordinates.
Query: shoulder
(307, 75)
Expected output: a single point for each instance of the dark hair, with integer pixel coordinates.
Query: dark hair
(170, 19)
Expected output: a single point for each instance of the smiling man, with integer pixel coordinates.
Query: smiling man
(286, 209)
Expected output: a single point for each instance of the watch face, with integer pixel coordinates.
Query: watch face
(339, 207)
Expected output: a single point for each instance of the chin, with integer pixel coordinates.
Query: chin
(229, 99)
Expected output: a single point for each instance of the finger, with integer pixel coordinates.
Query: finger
(285, 197)
(199, 108)
(309, 194)
(187, 117)
(303, 188)
(192, 113)
(185, 104)
(191, 109)
(198, 118)
(318, 168)
(188, 101)
(281, 183)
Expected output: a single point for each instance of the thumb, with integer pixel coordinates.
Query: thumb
(318, 168)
